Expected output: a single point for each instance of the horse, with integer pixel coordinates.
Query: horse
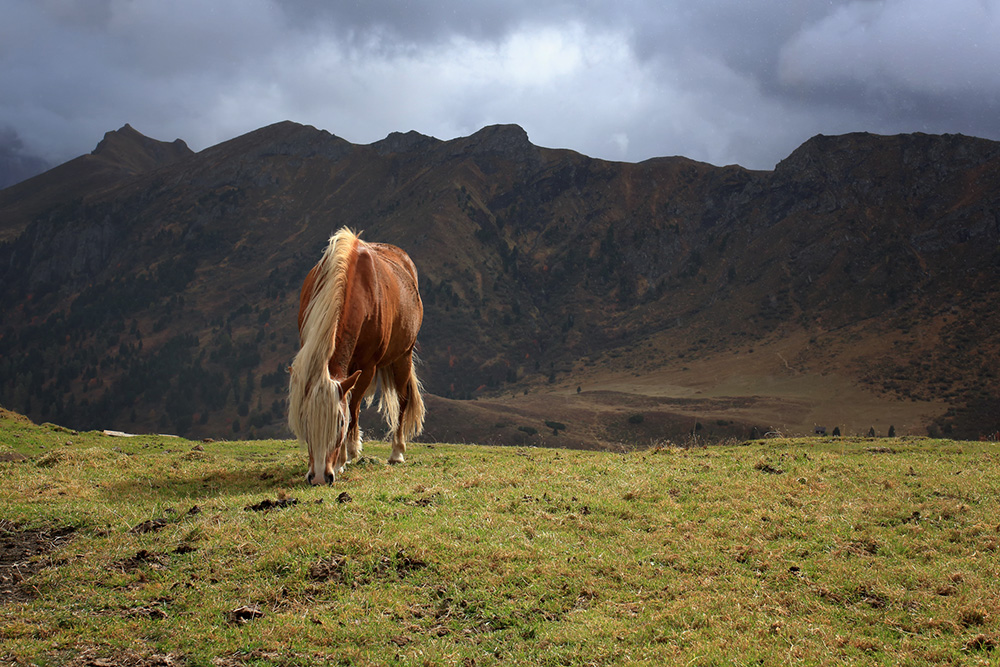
(359, 315)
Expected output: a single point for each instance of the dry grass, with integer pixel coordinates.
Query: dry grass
(799, 551)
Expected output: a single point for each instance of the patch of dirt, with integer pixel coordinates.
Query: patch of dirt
(268, 504)
(245, 614)
(143, 558)
(96, 657)
(339, 568)
(150, 526)
(980, 643)
(426, 501)
(330, 569)
(257, 657)
(24, 553)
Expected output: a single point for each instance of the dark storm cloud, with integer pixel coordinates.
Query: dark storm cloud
(722, 81)
(15, 165)
(425, 22)
(916, 64)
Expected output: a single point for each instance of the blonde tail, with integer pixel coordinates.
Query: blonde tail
(413, 416)
(388, 403)
(388, 400)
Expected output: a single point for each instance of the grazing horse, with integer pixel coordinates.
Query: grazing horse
(359, 314)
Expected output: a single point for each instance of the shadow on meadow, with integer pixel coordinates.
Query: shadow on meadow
(203, 474)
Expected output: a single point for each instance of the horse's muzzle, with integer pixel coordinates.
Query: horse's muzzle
(311, 478)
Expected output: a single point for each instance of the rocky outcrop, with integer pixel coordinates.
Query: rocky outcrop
(128, 149)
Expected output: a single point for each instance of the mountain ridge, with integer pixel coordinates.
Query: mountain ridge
(537, 266)
(121, 154)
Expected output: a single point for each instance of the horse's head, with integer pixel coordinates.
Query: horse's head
(325, 427)
(325, 447)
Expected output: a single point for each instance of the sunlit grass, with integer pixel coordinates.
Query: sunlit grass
(805, 551)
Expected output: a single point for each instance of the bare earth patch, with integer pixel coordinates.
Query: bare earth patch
(94, 657)
(23, 553)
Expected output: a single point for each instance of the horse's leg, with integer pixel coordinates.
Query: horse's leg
(401, 370)
(353, 440)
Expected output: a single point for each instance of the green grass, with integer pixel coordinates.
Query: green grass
(799, 551)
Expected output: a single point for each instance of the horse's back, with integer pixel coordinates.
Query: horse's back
(381, 311)
(397, 261)
(385, 305)
(398, 276)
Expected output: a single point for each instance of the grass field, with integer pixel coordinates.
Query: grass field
(161, 551)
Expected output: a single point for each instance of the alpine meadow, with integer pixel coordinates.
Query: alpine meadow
(155, 550)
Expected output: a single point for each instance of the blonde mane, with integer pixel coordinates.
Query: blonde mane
(310, 385)
(327, 301)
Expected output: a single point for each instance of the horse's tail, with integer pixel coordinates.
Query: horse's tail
(413, 416)
(388, 403)
(313, 395)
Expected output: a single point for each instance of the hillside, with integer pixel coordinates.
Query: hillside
(853, 285)
(121, 154)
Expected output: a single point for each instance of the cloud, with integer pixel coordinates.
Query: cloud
(722, 81)
(918, 46)
(15, 165)
(570, 86)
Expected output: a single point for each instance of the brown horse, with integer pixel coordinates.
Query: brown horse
(359, 314)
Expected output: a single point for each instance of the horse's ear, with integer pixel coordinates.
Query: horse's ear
(348, 384)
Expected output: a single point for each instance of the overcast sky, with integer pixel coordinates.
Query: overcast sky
(723, 81)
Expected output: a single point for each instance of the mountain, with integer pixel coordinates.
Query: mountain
(120, 155)
(576, 301)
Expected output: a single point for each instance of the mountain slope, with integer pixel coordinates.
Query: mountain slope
(164, 296)
(120, 155)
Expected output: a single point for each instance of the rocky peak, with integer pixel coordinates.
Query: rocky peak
(837, 158)
(132, 150)
(408, 142)
(284, 138)
(824, 157)
(508, 142)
